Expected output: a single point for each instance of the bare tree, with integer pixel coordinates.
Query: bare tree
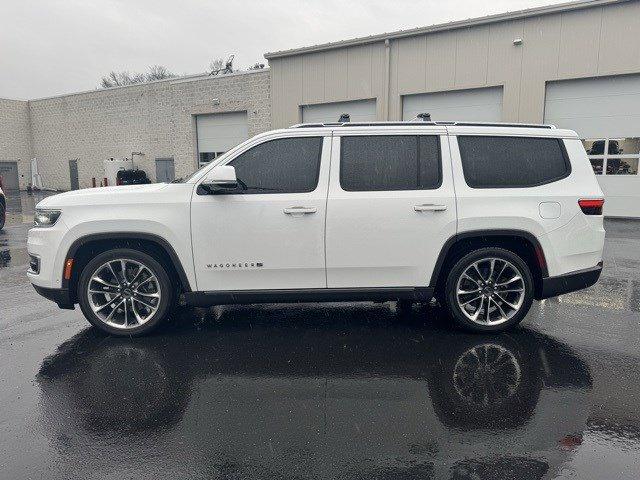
(119, 79)
(219, 67)
(158, 72)
(216, 65)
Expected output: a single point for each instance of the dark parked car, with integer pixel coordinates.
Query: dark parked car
(132, 177)
(3, 207)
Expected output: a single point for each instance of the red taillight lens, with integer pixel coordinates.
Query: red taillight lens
(591, 206)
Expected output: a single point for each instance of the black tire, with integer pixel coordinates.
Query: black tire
(165, 305)
(450, 291)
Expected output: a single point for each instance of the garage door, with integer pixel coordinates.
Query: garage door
(606, 114)
(9, 174)
(220, 132)
(360, 111)
(476, 105)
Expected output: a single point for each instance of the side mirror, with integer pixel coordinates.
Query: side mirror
(221, 179)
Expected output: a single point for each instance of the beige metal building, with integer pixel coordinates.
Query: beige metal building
(576, 65)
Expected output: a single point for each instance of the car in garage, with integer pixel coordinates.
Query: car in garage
(336, 212)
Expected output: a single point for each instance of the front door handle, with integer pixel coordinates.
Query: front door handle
(429, 207)
(300, 210)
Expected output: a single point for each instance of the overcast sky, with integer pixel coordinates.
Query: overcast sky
(48, 47)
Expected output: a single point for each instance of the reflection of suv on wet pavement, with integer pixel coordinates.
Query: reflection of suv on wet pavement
(326, 391)
(485, 218)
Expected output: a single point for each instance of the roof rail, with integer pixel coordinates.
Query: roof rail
(414, 123)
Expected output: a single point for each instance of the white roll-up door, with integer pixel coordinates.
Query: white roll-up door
(475, 105)
(605, 112)
(359, 111)
(220, 132)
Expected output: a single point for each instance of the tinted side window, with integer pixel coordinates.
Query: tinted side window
(502, 162)
(390, 162)
(285, 165)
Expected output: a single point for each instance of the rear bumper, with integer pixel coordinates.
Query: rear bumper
(570, 282)
(59, 295)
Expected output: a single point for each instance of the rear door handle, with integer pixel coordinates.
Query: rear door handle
(429, 207)
(300, 210)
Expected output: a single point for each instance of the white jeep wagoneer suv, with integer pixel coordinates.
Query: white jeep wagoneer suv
(483, 217)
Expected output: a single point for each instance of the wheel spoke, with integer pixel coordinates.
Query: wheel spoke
(114, 310)
(479, 310)
(502, 312)
(492, 268)
(152, 295)
(469, 301)
(96, 278)
(138, 273)
(475, 266)
(123, 267)
(514, 279)
(113, 272)
(143, 302)
(465, 275)
(467, 292)
(110, 302)
(515, 307)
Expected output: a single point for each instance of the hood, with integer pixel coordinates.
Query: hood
(101, 195)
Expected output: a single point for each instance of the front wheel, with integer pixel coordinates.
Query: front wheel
(489, 290)
(125, 292)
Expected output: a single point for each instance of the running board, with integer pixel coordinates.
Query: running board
(228, 297)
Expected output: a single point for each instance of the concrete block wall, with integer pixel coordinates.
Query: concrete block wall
(157, 119)
(15, 142)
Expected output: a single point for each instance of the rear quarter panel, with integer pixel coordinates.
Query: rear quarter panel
(570, 241)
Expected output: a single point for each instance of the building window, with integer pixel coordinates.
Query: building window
(207, 157)
(613, 156)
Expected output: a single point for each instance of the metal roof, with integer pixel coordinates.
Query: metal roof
(500, 17)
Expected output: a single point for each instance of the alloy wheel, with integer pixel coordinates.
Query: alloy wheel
(490, 291)
(124, 293)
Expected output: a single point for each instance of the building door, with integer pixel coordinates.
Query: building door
(218, 133)
(474, 105)
(605, 112)
(359, 111)
(165, 170)
(9, 174)
(73, 173)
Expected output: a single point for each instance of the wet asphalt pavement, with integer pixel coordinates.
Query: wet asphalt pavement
(323, 390)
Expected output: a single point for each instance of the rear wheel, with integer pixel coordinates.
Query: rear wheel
(125, 292)
(489, 290)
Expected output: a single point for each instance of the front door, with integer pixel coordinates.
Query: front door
(165, 170)
(391, 207)
(269, 233)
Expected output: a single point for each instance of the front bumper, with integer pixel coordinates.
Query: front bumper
(570, 282)
(59, 295)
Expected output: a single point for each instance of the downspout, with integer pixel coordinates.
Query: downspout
(387, 79)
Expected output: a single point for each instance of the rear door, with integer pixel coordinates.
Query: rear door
(390, 209)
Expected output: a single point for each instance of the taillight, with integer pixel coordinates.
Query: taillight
(591, 206)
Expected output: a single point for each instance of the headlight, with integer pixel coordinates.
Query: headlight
(46, 218)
